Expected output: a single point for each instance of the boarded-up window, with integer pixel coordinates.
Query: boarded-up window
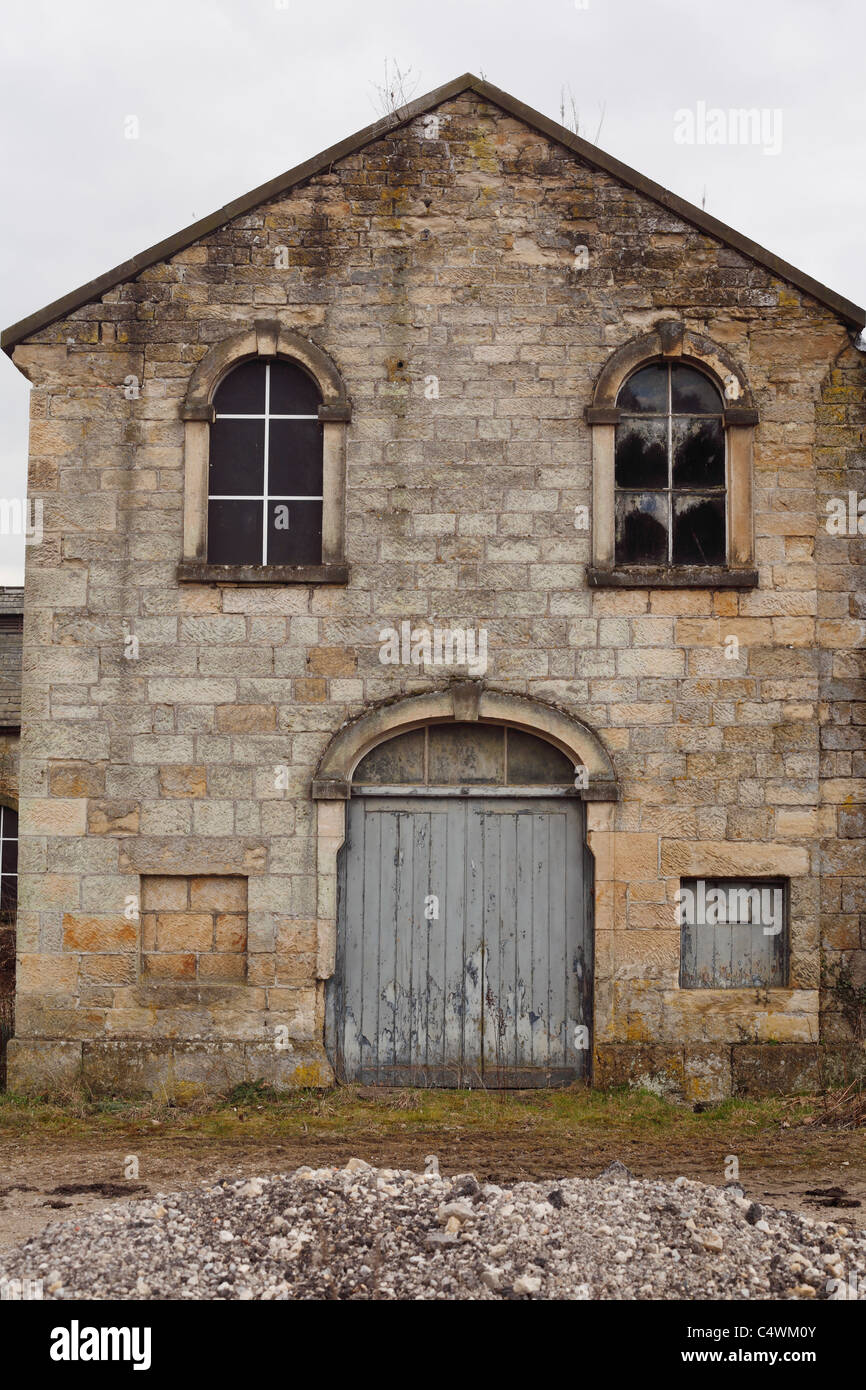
(734, 933)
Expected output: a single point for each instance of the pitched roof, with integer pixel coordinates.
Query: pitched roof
(60, 308)
(11, 599)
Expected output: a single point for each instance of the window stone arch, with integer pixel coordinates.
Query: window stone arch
(671, 341)
(464, 702)
(265, 339)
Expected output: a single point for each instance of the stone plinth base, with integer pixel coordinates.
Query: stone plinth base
(165, 1069)
(714, 1071)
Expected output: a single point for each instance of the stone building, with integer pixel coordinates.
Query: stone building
(442, 660)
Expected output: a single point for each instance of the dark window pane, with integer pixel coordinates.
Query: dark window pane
(243, 390)
(642, 528)
(466, 753)
(234, 533)
(8, 894)
(295, 458)
(699, 453)
(294, 533)
(646, 390)
(699, 530)
(10, 822)
(399, 759)
(9, 863)
(237, 456)
(642, 453)
(692, 393)
(292, 391)
(532, 762)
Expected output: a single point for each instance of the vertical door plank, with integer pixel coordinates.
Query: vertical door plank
(384, 963)
(359, 1023)
(454, 940)
(561, 932)
(508, 928)
(436, 927)
(473, 948)
(494, 1041)
(523, 984)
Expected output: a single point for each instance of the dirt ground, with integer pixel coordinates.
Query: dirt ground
(48, 1176)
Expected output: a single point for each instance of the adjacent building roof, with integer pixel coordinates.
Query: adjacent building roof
(11, 604)
(94, 289)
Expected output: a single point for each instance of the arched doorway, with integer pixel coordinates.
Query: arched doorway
(464, 912)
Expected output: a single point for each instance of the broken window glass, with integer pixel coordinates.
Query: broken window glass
(641, 453)
(698, 452)
(699, 530)
(642, 527)
(669, 468)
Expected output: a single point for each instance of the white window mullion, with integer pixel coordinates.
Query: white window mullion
(257, 497)
(265, 482)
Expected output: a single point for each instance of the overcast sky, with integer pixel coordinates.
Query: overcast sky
(229, 93)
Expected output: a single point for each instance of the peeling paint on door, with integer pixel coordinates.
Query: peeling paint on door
(495, 990)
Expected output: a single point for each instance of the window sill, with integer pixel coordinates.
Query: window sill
(200, 572)
(671, 577)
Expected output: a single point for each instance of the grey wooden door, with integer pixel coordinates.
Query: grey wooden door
(464, 944)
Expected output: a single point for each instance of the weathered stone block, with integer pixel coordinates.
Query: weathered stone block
(35, 1065)
(218, 893)
(83, 932)
(183, 781)
(184, 931)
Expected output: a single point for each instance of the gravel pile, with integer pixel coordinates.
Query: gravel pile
(361, 1232)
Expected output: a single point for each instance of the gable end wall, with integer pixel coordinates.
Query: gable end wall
(409, 261)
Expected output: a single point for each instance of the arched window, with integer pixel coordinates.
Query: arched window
(265, 418)
(458, 754)
(670, 468)
(265, 467)
(673, 423)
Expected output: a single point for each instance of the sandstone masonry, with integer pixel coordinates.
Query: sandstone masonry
(177, 908)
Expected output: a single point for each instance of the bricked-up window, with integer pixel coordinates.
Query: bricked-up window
(8, 864)
(734, 933)
(194, 929)
(670, 468)
(266, 467)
